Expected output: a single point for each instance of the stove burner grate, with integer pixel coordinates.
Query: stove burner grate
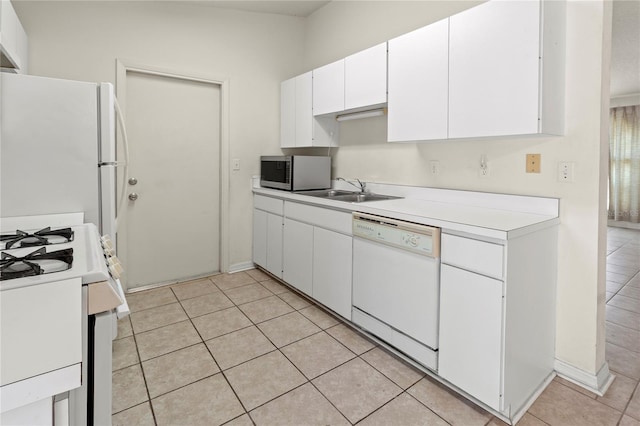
(35, 263)
(42, 237)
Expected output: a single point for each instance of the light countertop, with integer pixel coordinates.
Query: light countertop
(452, 217)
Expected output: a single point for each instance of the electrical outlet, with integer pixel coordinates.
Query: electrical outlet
(434, 167)
(235, 164)
(483, 171)
(565, 171)
(533, 163)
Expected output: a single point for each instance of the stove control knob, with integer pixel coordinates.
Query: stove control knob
(109, 252)
(116, 270)
(106, 242)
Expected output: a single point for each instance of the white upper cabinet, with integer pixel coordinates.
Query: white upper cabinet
(418, 84)
(357, 81)
(494, 55)
(365, 77)
(298, 127)
(496, 69)
(13, 39)
(288, 113)
(295, 112)
(328, 88)
(304, 119)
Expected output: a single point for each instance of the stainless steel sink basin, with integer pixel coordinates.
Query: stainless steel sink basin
(361, 198)
(347, 196)
(325, 193)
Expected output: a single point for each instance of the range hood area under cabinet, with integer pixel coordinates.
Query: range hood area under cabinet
(309, 102)
(494, 70)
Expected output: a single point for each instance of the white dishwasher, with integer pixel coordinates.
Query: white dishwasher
(396, 284)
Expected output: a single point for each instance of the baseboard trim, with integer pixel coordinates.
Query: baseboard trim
(242, 266)
(596, 383)
(622, 224)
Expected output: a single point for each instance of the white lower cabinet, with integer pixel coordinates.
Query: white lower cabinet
(267, 240)
(317, 254)
(332, 254)
(497, 297)
(497, 316)
(471, 333)
(298, 255)
(260, 237)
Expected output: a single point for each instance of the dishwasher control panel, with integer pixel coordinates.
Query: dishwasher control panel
(420, 239)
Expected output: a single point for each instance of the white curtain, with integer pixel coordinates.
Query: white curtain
(624, 164)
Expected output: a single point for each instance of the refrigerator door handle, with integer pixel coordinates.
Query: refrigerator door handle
(125, 144)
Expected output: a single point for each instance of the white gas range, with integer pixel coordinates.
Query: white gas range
(60, 297)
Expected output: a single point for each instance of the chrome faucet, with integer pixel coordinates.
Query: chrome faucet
(361, 185)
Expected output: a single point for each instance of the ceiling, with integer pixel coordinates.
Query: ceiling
(302, 8)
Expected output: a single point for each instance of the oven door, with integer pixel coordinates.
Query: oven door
(91, 403)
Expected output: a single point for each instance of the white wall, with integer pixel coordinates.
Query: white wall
(342, 28)
(81, 40)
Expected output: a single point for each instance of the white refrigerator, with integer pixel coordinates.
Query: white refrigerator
(57, 149)
(57, 155)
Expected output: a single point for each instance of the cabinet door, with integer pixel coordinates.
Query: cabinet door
(418, 84)
(365, 77)
(304, 116)
(298, 255)
(9, 29)
(332, 256)
(288, 113)
(260, 237)
(328, 88)
(274, 244)
(494, 54)
(23, 49)
(471, 333)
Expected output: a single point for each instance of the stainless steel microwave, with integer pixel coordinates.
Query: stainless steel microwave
(295, 172)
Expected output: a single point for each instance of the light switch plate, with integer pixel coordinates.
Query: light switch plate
(533, 163)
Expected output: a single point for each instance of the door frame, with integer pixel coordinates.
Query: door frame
(122, 67)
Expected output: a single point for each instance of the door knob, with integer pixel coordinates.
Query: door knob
(133, 196)
(133, 181)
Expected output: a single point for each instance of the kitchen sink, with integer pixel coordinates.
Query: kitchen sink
(326, 193)
(358, 197)
(347, 196)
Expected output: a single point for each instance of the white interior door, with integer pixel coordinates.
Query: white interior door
(172, 229)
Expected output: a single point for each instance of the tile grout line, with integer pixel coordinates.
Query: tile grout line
(144, 377)
(216, 362)
(636, 390)
(254, 324)
(341, 322)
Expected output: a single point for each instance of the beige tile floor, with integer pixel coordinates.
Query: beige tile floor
(242, 349)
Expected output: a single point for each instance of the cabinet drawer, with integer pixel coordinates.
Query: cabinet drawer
(473, 255)
(318, 216)
(272, 205)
